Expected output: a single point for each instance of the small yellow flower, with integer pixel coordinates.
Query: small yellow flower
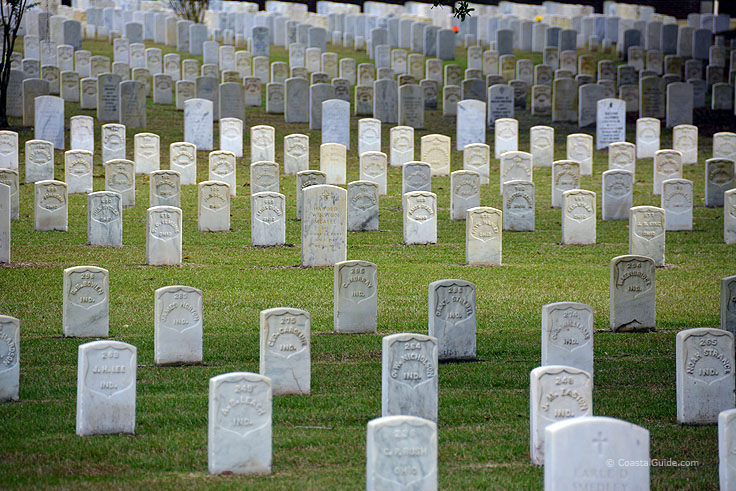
(538, 18)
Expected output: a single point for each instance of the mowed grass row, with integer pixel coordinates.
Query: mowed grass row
(319, 440)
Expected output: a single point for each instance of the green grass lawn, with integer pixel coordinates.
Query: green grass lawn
(319, 439)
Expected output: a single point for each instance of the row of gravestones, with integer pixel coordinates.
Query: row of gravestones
(107, 369)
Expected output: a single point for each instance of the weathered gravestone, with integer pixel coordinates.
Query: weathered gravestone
(409, 376)
(610, 122)
(506, 136)
(120, 178)
(239, 424)
(285, 355)
(4, 224)
(578, 217)
(9, 358)
(268, 218)
(435, 150)
(677, 202)
(213, 211)
(105, 219)
(704, 374)
(50, 205)
(49, 120)
(565, 176)
(324, 225)
(106, 388)
(198, 122)
(146, 153)
(363, 202)
(556, 393)
(719, 178)
(595, 451)
(401, 453)
(567, 335)
(618, 194)
(518, 205)
(164, 236)
(464, 192)
(402, 145)
(483, 236)
(332, 162)
(580, 149)
(416, 176)
(647, 232)
(222, 168)
(632, 293)
(476, 157)
(9, 178)
(304, 179)
(541, 143)
(452, 319)
(685, 140)
(727, 457)
(177, 325)
(667, 165)
(647, 137)
(355, 301)
(86, 300)
(420, 217)
(296, 153)
(622, 156)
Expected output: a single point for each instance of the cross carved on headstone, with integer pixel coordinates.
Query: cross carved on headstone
(599, 440)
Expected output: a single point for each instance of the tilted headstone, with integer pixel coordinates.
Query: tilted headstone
(268, 219)
(556, 393)
(677, 202)
(578, 217)
(106, 388)
(324, 225)
(409, 376)
(420, 217)
(401, 453)
(105, 219)
(355, 297)
(164, 236)
(704, 374)
(285, 354)
(632, 293)
(603, 447)
(9, 358)
(239, 434)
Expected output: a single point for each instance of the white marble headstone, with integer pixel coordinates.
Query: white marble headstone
(106, 388)
(9, 358)
(177, 325)
(409, 376)
(285, 354)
